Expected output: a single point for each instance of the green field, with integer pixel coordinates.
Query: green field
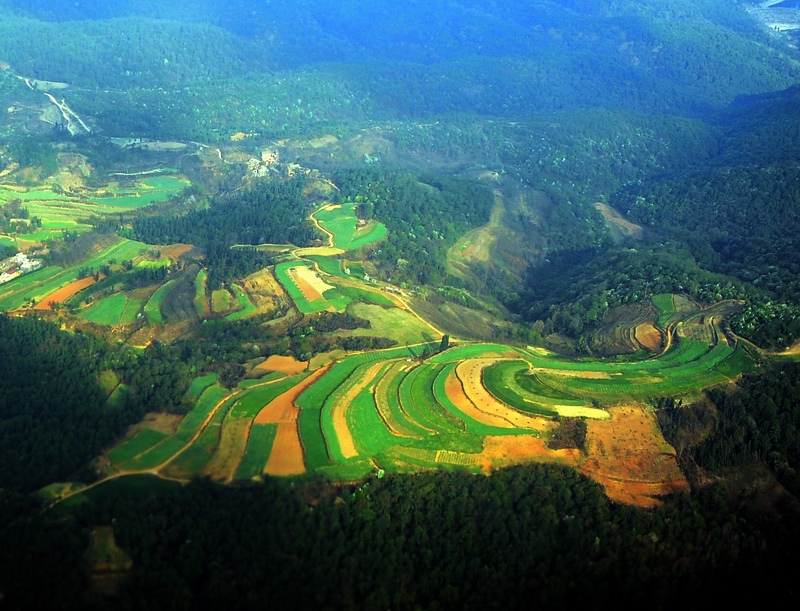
(259, 445)
(107, 311)
(342, 223)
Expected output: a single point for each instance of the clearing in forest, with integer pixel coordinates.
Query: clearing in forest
(629, 457)
(284, 364)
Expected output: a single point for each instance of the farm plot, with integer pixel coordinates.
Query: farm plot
(193, 422)
(37, 285)
(193, 460)
(201, 302)
(110, 310)
(64, 293)
(500, 379)
(473, 407)
(286, 456)
(347, 233)
(387, 402)
(469, 372)
(391, 322)
(303, 285)
(259, 447)
(334, 417)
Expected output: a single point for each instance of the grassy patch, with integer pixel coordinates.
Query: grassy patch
(327, 265)
(157, 455)
(199, 385)
(394, 323)
(220, 300)
(200, 294)
(107, 311)
(138, 444)
(152, 309)
(192, 422)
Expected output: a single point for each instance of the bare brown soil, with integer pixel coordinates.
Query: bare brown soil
(648, 336)
(286, 457)
(282, 407)
(284, 364)
(506, 450)
(64, 293)
(629, 457)
(163, 423)
(264, 289)
(175, 251)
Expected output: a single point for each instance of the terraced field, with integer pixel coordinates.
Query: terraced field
(60, 212)
(473, 407)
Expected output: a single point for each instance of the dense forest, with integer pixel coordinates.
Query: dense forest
(54, 415)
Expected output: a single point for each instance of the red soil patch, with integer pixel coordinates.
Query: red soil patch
(64, 293)
(507, 450)
(282, 408)
(629, 457)
(286, 457)
(175, 251)
(284, 364)
(648, 336)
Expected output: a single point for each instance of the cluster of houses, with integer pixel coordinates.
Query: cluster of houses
(18, 265)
